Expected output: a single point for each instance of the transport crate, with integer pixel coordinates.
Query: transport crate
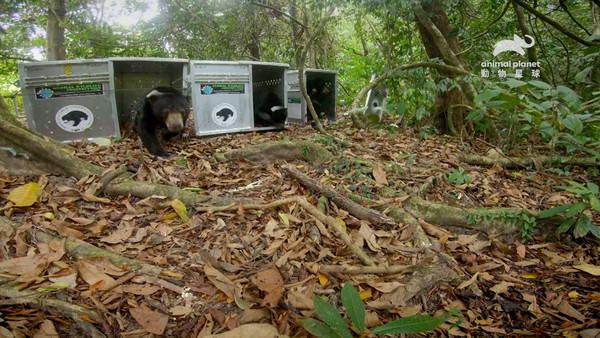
(69, 100)
(224, 93)
(297, 107)
(135, 76)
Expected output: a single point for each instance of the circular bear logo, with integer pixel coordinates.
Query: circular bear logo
(224, 114)
(74, 118)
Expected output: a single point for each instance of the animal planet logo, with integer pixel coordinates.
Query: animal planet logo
(515, 45)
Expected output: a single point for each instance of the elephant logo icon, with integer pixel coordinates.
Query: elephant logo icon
(515, 45)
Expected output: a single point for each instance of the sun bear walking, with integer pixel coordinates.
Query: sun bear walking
(161, 106)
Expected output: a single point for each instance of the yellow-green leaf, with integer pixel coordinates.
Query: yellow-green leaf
(323, 279)
(243, 304)
(284, 218)
(101, 141)
(341, 222)
(531, 275)
(366, 293)
(25, 195)
(49, 216)
(589, 268)
(180, 209)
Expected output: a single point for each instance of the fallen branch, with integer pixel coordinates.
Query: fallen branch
(360, 212)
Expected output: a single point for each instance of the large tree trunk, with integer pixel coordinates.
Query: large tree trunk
(434, 28)
(55, 32)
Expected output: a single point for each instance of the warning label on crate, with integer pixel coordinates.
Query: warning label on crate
(74, 118)
(224, 115)
(69, 90)
(231, 88)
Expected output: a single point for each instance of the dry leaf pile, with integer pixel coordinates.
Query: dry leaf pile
(221, 269)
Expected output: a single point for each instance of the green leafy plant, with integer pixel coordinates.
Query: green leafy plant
(575, 216)
(333, 324)
(183, 162)
(518, 218)
(426, 131)
(459, 177)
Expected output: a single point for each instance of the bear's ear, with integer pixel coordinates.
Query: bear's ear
(153, 95)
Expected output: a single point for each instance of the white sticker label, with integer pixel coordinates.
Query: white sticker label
(224, 114)
(74, 118)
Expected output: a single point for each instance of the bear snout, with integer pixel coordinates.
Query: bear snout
(174, 122)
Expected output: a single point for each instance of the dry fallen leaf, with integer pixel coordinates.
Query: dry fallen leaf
(589, 268)
(180, 310)
(92, 274)
(271, 282)
(253, 315)
(250, 330)
(152, 321)
(142, 290)
(379, 175)
(47, 329)
(501, 287)
(221, 281)
(566, 308)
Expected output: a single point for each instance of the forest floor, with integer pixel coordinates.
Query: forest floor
(271, 258)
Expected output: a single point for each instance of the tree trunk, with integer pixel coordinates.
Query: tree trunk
(596, 26)
(3, 106)
(531, 52)
(55, 32)
(434, 28)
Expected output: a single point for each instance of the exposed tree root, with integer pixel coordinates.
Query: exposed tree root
(353, 208)
(51, 157)
(12, 296)
(83, 249)
(357, 270)
(423, 279)
(521, 162)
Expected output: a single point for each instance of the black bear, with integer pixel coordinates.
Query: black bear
(75, 116)
(161, 106)
(320, 96)
(268, 110)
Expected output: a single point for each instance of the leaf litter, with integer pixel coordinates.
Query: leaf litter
(225, 270)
